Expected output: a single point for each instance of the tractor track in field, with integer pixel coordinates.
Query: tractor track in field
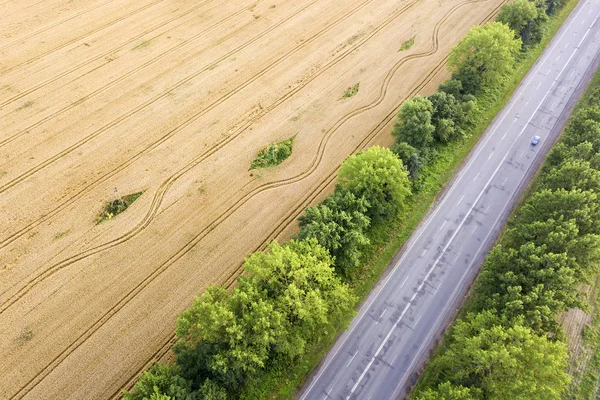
(32, 171)
(298, 209)
(291, 214)
(63, 45)
(168, 183)
(121, 46)
(15, 235)
(129, 74)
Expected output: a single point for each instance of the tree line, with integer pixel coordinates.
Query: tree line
(291, 294)
(288, 295)
(480, 65)
(509, 344)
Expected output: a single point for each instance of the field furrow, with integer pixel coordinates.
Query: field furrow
(175, 99)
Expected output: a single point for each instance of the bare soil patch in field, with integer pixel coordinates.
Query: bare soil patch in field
(174, 99)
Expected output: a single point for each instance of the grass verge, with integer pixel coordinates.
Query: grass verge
(387, 239)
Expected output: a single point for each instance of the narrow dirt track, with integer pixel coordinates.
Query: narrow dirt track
(175, 98)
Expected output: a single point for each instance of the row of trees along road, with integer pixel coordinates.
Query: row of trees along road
(288, 296)
(508, 344)
(291, 294)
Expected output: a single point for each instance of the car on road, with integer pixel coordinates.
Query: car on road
(535, 140)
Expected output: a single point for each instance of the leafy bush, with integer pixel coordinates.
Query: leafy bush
(408, 44)
(378, 176)
(117, 206)
(497, 361)
(413, 125)
(339, 224)
(526, 18)
(351, 91)
(273, 154)
(484, 57)
(161, 381)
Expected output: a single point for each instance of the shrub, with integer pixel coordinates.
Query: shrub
(273, 154)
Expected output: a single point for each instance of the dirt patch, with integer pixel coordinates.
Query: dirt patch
(176, 98)
(583, 339)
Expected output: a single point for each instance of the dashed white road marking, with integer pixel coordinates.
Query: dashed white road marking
(547, 56)
(347, 365)
(418, 319)
(401, 286)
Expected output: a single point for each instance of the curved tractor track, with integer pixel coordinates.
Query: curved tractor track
(232, 203)
(168, 183)
(296, 211)
(7, 240)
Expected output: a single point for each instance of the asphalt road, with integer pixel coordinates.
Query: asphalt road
(400, 320)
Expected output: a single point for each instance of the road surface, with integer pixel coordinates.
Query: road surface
(376, 358)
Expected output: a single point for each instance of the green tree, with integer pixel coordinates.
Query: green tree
(241, 326)
(522, 17)
(160, 382)
(450, 116)
(581, 206)
(528, 281)
(195, 359)
(258, 327)
(562, 152)
(300, 282)
(410, 158)
(448, 391)
(572, 174)
(339, 224)
(539, 25)
(487, 52)
(505, 362)
(453, 87)
(212, 391)
(584, 126)
(377, 175)
(553, 5)
(413, 124)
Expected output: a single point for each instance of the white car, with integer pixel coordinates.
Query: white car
(535, 140)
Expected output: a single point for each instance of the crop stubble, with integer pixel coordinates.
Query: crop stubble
(172, 97)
